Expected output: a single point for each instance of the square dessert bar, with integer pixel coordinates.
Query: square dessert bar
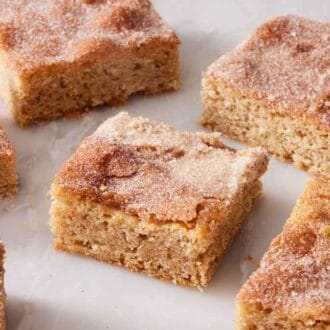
(8, 177)
(291, 288)
(144, 196)
(2, 289)
(274, 91)
(60, 58)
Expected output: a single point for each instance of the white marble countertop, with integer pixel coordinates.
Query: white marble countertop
(51, 290)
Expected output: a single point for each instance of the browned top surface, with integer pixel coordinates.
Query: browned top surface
(39, 32)
(294, 275)
(285, 64)
(154, 171)
(5, 146)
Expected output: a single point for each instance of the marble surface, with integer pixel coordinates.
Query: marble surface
(51, 290)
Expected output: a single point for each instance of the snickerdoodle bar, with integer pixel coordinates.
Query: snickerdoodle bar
(60, 58)
(144, 196)
(8, 177)
(291, 289)
(274, 91)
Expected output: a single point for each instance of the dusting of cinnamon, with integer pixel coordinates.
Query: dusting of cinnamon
(37, 32)
(152, 170)
(285, 64)
(294, 277)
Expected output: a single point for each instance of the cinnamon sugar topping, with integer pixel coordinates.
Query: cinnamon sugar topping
(37, 32)
(294, 275)
(285, 64)
(152, 170)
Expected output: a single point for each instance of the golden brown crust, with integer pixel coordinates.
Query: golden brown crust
(285, 66)
(37, 33)
(151, 170)
(293, 280)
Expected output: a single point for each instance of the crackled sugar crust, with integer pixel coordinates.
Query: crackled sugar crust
(291, 289)
(38, 33)
(142, 195)
(68, 56)
(285, 65)
(8, 178)
(152, 170)
(274, 90)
